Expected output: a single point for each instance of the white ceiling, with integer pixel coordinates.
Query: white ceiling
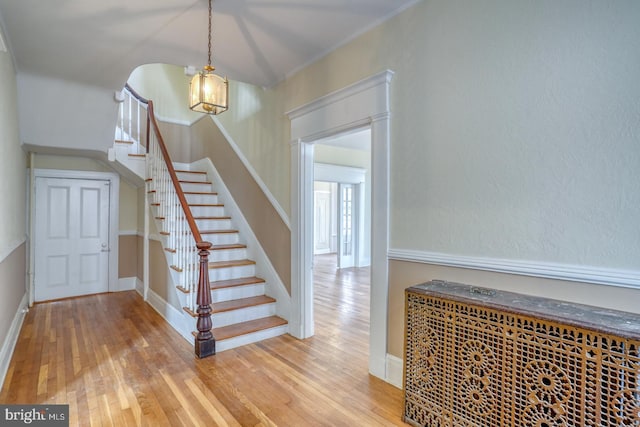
(255, 41)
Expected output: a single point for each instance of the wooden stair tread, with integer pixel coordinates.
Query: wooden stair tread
(215, 205)
(202, 193)
(212, 217)
(218, 231)
(244, 328)
(234, 263)
(230, 283)
(229, 246)
(136, 155)
(236, 304)
(192, 182)
(122, 141)
(184, 171)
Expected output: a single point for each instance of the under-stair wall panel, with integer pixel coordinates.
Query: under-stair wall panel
(477, 357)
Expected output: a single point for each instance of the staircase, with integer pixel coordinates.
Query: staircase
(241, 312)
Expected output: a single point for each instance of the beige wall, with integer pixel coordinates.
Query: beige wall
(12, 287)
(50, 161)
(177, 139)
(128, 256)
(128, 208)
(513, 135)
(168, 87)
(13, 188)
(501, 112)
(159, 280)
(267, 225)
(140, 258)
(404, 274)
(257, 123)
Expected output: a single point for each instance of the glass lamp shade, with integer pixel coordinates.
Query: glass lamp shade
(208, 92)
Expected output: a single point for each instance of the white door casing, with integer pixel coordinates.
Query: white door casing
(365, 103)
(74, 218)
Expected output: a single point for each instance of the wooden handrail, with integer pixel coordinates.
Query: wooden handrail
(135, 94)
(172, 173)
(205, 342)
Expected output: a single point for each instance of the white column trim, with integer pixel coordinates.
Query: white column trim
(301, 322)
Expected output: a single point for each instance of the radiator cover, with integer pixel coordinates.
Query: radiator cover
(483, 358)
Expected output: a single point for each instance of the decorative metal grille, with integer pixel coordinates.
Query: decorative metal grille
(471, 364)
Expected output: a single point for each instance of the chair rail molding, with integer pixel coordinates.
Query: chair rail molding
(547, 270)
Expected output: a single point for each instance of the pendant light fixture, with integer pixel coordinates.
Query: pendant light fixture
(208, 92)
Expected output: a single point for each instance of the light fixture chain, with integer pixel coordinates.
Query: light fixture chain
(209, 63)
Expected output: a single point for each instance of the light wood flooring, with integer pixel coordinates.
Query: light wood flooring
(116, 362)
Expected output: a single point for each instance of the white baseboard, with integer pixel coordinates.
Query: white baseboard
(126, 284)
(9, 344)
(172, 315)
(395, 370)
(140, 287)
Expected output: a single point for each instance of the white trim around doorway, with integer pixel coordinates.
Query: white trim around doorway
(362, 104)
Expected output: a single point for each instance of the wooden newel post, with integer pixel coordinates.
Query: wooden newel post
(205, 344)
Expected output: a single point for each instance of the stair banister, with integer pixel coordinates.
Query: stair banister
(204, 343)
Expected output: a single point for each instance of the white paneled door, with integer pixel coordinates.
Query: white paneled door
(71, 237)
(348, 228)
(322, 222)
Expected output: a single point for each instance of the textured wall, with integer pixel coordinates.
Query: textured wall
(12, 162)
(267, 225)
(13, 189)
(128, 256)
(168, 88)
(514, 128)
(68, 116)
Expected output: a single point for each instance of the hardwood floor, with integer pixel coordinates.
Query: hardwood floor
(116, 362)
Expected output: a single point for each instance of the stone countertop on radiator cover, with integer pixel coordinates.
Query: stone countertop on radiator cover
(621, 323)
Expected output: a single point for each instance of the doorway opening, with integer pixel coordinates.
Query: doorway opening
(342, 235)
(364, 104)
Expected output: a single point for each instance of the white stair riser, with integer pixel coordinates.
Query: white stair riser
(213, 224)
(174, 259)
(234, 342)
(227, 254)
(221, 238)
(208, 199)
(243, 315)
(227, 273)
(182, 176)
(214, 256)
(215, 274)
(237, 292)
(186, 240)
(207, 210)
(195, 188)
